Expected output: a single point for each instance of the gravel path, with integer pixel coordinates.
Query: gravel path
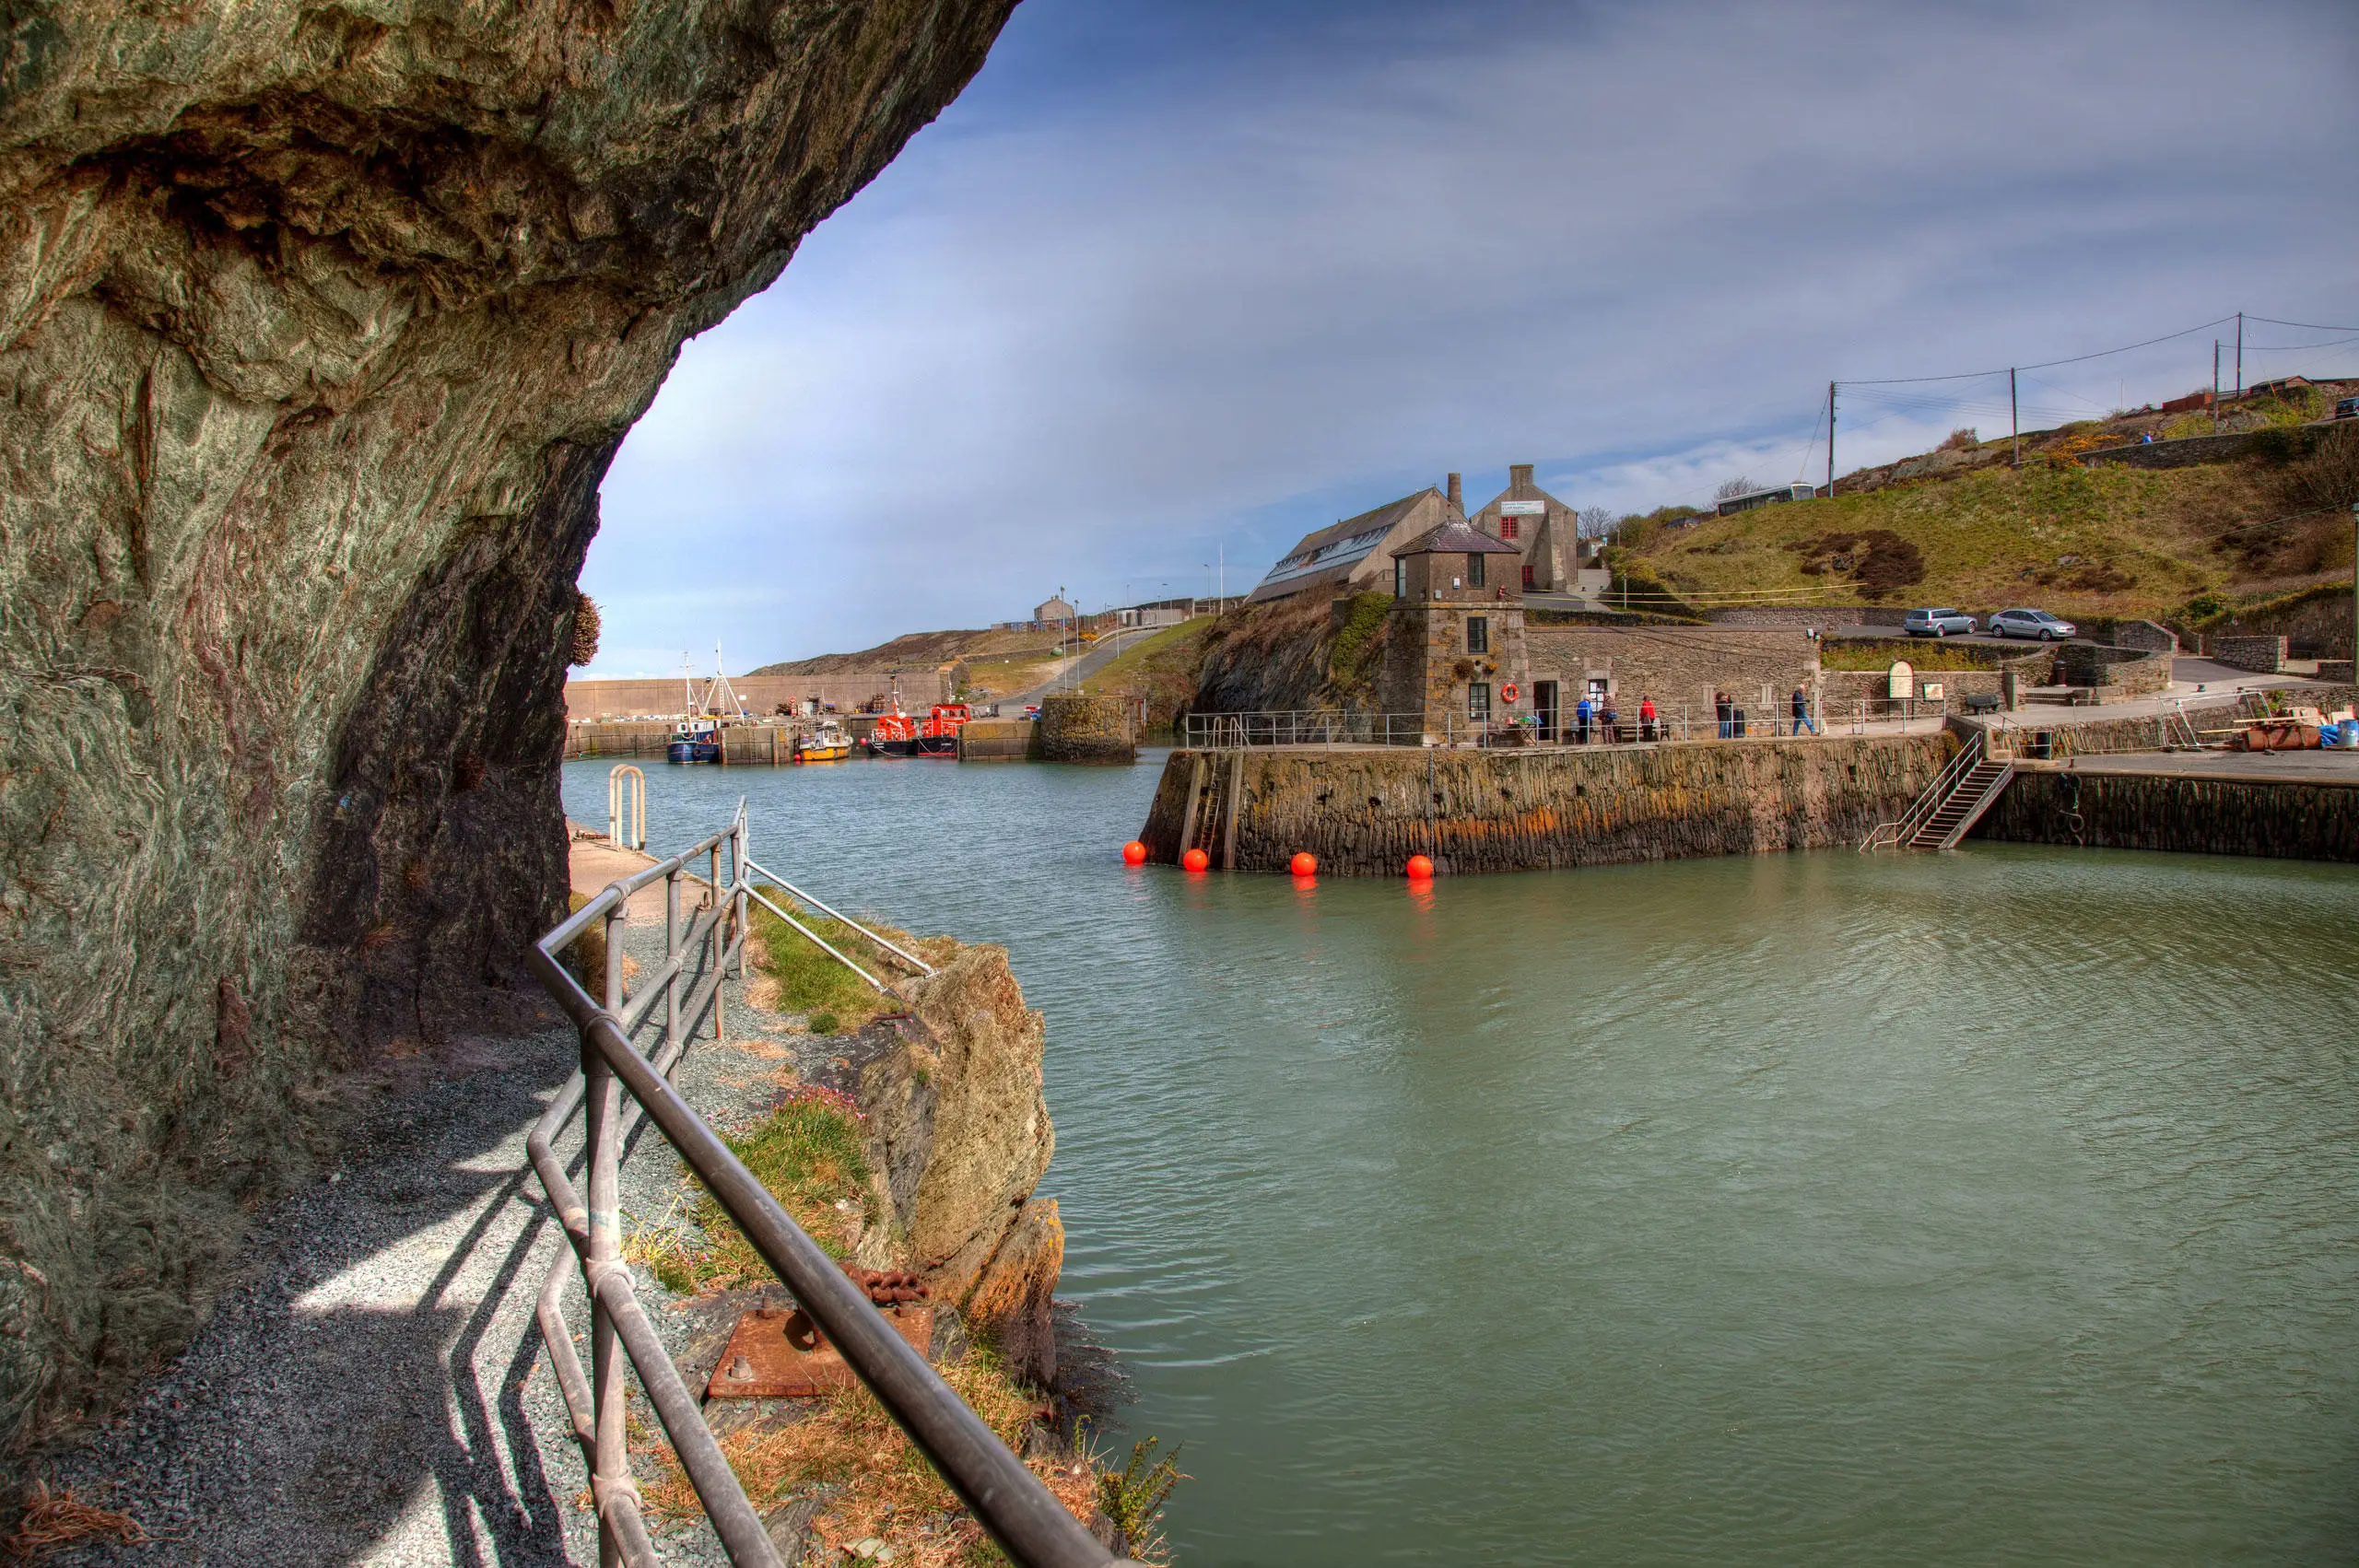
(372, 1389)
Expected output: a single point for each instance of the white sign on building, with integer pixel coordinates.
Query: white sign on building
(1523, 508)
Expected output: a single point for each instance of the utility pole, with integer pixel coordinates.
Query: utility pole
(1830, 441)
(2215, 386)
(2240, 354)
(2015, 419)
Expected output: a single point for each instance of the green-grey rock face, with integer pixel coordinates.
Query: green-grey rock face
(319, 324)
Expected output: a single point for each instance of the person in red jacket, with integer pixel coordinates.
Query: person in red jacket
(1646, 718)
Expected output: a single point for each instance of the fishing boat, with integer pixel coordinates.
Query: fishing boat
(896, 735)
(694, 739)
(826, 744)
(938, 736)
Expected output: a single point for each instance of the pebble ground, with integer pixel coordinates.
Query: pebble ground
(372, 1389)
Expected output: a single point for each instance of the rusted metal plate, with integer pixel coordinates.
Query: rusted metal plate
(778, 1354)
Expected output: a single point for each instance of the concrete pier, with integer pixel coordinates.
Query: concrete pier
(2282, 805)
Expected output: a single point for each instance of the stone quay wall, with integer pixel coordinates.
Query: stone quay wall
(2276, 819)
(1074, 728)
(1365, 812)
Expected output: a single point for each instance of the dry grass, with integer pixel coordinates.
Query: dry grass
(883, 1489)
(51, 1520)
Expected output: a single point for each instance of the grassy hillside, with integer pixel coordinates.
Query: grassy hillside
(2110, 540)
(919, 650)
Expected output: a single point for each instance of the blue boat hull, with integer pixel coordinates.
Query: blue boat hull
(692, 750)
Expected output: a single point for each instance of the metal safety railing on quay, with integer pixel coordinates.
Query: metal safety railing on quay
(1894, 834)
(1005, 1497)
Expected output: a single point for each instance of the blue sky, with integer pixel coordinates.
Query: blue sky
(1173, 280)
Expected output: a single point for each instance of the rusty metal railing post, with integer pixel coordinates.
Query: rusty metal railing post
(610, 1463)
(671, 957)
(717, 950)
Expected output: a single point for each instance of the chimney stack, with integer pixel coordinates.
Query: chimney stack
(1457, 501)
(1518, 477)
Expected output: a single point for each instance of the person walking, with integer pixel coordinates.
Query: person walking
(1645, 718)
(1612, 721)
(1722, 709)
(1581, 720)
(1802, 713)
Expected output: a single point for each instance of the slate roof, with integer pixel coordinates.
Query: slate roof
(1330, 554)
(1456, 539)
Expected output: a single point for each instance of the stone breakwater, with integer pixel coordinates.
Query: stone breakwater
(1074, 728)
(1366, 812)
(2277, 819)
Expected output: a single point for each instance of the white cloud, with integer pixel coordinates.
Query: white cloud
(1129, 307)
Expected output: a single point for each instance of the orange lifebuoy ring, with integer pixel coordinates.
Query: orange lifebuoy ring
(1509, 692)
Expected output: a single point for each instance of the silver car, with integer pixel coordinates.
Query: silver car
(2029, 622)
(1938, 623)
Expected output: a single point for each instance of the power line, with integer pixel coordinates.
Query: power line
(2077, 359)
(2306, 326)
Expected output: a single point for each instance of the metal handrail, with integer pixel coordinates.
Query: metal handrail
(1922, 808)
(923, 968)
(1004, 1496)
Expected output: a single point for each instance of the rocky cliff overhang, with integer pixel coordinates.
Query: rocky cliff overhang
(319, 324)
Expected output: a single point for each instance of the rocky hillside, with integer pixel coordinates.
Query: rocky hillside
(320, 324)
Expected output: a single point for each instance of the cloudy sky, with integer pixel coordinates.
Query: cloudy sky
(1178, 281)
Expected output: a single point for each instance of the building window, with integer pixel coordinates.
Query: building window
(1508, 526)
(1474, 571)
(1400, 579)
(1478, 633)
(1478, 702)
(1527, 577)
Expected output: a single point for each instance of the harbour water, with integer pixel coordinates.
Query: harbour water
(1996, 1207)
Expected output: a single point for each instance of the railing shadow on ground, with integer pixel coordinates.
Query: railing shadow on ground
(1004, 1496)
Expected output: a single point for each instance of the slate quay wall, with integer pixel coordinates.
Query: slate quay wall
(1365, 812)
(2277, 820)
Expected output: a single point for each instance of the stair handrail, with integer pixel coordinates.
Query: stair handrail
(1968, 757)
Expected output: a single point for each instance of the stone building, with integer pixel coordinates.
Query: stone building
(1355, 556)
(1543, 528)
(1461, 656)
(1455, 654)
(1052, 610)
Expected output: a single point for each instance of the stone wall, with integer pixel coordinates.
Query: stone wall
(318, 326)
(2315, 622)
(762, 694)
(1366, 812)
(1076, 728)
(2263, 655)
(1674, 664)
(2183, 453)
(2278, 819)
(2134, 671)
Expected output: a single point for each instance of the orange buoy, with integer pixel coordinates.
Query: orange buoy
(1135, 853)
(1196, 860)
(1304, 864)
(1420, 868)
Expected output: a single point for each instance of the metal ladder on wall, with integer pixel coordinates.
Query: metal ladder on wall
(1953, 802)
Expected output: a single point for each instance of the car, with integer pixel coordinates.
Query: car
(2029, 622)
(1938, 623)
(2347, 409)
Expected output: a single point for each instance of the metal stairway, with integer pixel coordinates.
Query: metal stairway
(1953, 802)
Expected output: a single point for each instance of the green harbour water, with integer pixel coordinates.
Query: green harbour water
(2000, 1207)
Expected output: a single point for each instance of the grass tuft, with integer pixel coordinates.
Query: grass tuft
(808, 1153)
(795, 976)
